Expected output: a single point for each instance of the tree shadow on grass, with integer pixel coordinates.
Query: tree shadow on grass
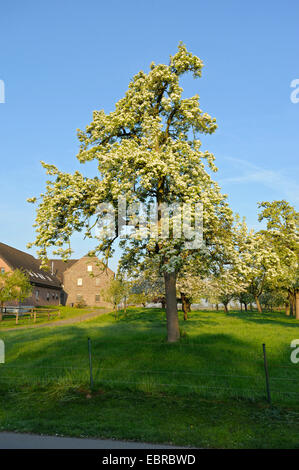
(138, 355)
(45, 355)
(151, 316)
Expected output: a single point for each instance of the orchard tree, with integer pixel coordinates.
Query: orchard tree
(116, 293)
(191, 287)
(256, 261)
(212, 273)
(125, 287)
(273, 298)
(4, 291)
(187, 287)
(263, 265)
(228, 269)
(227, 286)
(147, 287)
(20, 287)
(148, 151)
(244, 298)
(194, 280)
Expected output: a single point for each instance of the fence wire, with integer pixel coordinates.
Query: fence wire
(74, 370)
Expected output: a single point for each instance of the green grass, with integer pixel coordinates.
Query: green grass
(206, 391)
(25, 320)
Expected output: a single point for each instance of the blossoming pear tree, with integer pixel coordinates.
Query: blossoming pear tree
(147, 150)
(259, 262)
(217, 273)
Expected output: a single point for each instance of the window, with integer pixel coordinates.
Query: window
(36, 294)
(48, 296)
(98, 281)
(98, 298)
(89, 268)
(2, 270)
(79, 281)
(53, 296)
(56, 296)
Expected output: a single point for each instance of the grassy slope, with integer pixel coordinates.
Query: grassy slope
(148, 390)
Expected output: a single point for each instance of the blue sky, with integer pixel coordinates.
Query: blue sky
(61, 60)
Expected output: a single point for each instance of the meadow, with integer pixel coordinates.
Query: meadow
(208, 390)
(66, 312)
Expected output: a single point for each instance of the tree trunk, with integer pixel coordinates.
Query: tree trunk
(173, 330)
(245, 305)
(1, 311)
(184, 305)
(217, 307)
(297, 304)
(250, 306)
(293, 304)
(287, 306)
(163, 303)
(257, 301)
(241, 306)
(225, 308)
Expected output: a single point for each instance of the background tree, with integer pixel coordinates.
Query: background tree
(244, 298)
(14, 285)
(190, 286)
(116, 293)
(258, 263)
(148, 287)
(227, 286)
(282, 232)
(137, 298)
(4, 291)
(272, 297)
(228, 270)
(213, 273)
(193, 283)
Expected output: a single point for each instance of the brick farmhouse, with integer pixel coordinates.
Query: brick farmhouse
(82, 280)
(67, 283)
(46, 289)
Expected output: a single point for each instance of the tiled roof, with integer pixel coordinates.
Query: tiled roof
(57, 266)
(17, 259)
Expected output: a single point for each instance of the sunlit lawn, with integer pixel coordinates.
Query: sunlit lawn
(207, 391)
